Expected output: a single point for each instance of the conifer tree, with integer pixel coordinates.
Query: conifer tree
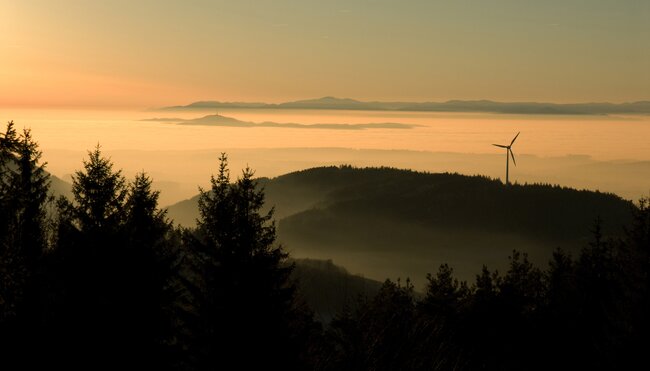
(11, 272)
(92, 312)
(8, 146)
(149, 275)
(379, 334)
(29, 186)
(99, 195)
(24, 187)
(147, 225)
(249, 302)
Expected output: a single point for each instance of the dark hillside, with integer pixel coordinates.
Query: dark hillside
(329, 289)
(385, 222)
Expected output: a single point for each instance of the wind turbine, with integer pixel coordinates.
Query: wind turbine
(509, 152)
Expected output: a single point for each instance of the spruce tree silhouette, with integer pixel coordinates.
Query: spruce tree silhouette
(8, 148)
(29, 186)
(148, 278)
(89, 315)
(248, 310)
(561, 324)
(11, 275)
(635, 258)
(111, 241)
(440, 321)
(23, 199)
(378, 335)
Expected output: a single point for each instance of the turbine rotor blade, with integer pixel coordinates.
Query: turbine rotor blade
(500, 145)
(515, 138)
(513, 156)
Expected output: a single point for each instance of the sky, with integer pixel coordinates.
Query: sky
(138, 54)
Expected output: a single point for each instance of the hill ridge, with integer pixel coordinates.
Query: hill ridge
(388, 222)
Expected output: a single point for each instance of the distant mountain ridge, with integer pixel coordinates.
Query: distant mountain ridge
(486, 106)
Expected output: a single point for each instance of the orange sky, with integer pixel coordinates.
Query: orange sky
(76, 53)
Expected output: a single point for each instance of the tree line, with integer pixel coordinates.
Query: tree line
(105, 280)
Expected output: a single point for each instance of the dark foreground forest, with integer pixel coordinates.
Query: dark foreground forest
(104, 280)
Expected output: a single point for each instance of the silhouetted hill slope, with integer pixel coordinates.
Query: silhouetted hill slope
(386, 222)
(58, 186)
(328, 288)
(450, 200)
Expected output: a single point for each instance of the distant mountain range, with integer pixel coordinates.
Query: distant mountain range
(332, 103)
(389, 223)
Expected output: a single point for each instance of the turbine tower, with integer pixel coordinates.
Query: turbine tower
(508, 154)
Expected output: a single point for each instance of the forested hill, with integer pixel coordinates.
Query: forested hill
(375, 221)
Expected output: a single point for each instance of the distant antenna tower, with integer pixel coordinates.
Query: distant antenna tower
(508, 154)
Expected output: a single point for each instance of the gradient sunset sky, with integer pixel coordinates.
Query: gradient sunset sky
(151, 53)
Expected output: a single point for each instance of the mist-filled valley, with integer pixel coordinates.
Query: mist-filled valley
(327, 268)
(179, 146)
(374, 237)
